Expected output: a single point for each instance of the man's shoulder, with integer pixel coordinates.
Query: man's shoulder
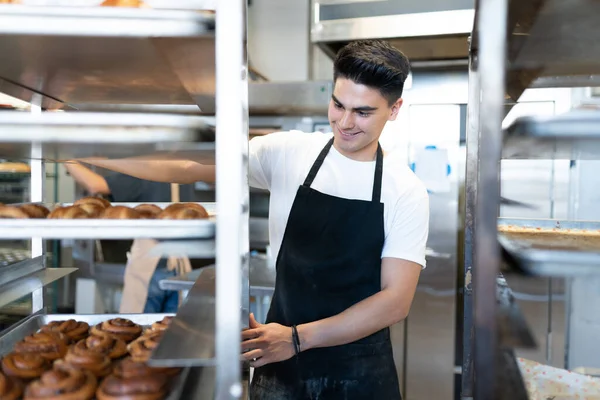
(294, 138)
(401, 185)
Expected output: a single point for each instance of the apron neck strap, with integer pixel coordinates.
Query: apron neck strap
(378, 170)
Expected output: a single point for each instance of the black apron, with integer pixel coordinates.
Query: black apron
(330, 259)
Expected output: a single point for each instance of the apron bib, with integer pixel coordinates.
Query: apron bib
(330, 259)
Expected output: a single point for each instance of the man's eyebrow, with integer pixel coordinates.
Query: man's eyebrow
(360, 109)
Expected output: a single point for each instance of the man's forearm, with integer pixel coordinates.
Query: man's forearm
(361, 320)
(171, 171)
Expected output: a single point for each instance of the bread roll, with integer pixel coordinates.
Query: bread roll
(184, 211)
(69, 212)
(35, 210)
(93, 210)
(120, 212)
(12, 212)
(148, 211)
(94, 200)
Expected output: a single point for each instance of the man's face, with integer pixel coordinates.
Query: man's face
(357, 115)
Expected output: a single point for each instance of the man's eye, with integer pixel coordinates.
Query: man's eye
(363, 114)
(337, 105)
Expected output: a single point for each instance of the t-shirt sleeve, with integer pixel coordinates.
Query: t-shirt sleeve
(124, 188)
(261, 158)
(407, 236)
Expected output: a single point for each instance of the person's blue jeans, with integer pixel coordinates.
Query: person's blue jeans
(161, 301)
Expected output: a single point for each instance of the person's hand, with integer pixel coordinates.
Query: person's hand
(265, 344)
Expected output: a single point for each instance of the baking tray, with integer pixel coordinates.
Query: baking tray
(109, 229)
(10, 336)
(547, 247)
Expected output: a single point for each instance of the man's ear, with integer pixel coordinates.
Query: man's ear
(395, 109)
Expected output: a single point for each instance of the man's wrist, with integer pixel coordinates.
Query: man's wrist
(304, 333)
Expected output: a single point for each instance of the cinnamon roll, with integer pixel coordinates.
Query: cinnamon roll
(9, 388)
(119, 328)
(50, 345)
(120, 212)
(92, 360)
(72, 329)
(112, 347)
(141, 348)
(69, 212)
(161, 325)
(133, 381)
(63, 383)
(35, 210)
(25, 366)
(148, 211)
(93, 200)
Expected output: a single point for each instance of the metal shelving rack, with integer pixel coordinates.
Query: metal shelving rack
(129, 60)
(513, 44)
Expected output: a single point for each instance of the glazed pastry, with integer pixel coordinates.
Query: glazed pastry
(93, 210)
(133, 380)
(119, 328)
(184, 211)
(74, 330)
(9, 388)
(93, 200)
(141, 348)
(120, 212)
(63, 383)
(112, 347)
(68, 212)
(35, 210)
(25, 366)
(95, 361)
(12, 212)
(148, 211)
(161, 325)
(50, 345)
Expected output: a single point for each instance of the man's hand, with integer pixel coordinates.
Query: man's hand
(265, 344)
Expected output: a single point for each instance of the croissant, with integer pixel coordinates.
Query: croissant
(148, 211)
(93, 210)
(25, 366)
(12, 212)
(72, 329)
(120, 212)
(9, 388)
(68, 212)
(184, 211)
(63, 382)
(93, 200)
(50, 345)
(119, 328)
(35, 210)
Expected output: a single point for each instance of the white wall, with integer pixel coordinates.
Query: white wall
(278, 38)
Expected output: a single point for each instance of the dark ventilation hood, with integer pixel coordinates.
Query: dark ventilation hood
(428, 31)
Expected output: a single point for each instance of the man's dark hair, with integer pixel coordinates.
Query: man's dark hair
(373, 63)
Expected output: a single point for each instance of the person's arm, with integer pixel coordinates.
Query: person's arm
(91, 181)
(170, 171)
(273, 342)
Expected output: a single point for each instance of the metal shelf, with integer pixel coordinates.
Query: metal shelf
(551, 247)
(12, 272)
(80, 55)
(27, 284)
(67, 135)
(574, 135)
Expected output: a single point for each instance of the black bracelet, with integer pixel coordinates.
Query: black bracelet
(296, 339)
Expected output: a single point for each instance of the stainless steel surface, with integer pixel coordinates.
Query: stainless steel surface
(66, 135)
(191, 337)
(184, 248)
(33, 323)
(491, 14)
(10, 256)
(232, 195)
(200, 384)
(27, 284)
(19, 269)
(513, 329)
(546, 261)
(169, 54)
(571, 136)
(289, 98)
(420, 35)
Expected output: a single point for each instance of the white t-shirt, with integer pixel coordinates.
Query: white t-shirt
(279, 162)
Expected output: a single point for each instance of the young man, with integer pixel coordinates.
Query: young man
(348, 227)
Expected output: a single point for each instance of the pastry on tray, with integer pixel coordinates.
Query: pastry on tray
(119, 328)
(96, 362)
(148, 211)
(10, 389)
(160, 325)
(92, 200)
(74, 330)
(63, 383)
(133, 380)
(50, 345)
(25, 366)
(68, 212)
(112, 347)
(184, 211)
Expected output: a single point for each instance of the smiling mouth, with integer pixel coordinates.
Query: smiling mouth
(348, 134)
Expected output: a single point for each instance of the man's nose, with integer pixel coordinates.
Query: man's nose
(347, 120)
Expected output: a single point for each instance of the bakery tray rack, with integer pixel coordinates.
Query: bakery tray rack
(63, 59)
(514, 45)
